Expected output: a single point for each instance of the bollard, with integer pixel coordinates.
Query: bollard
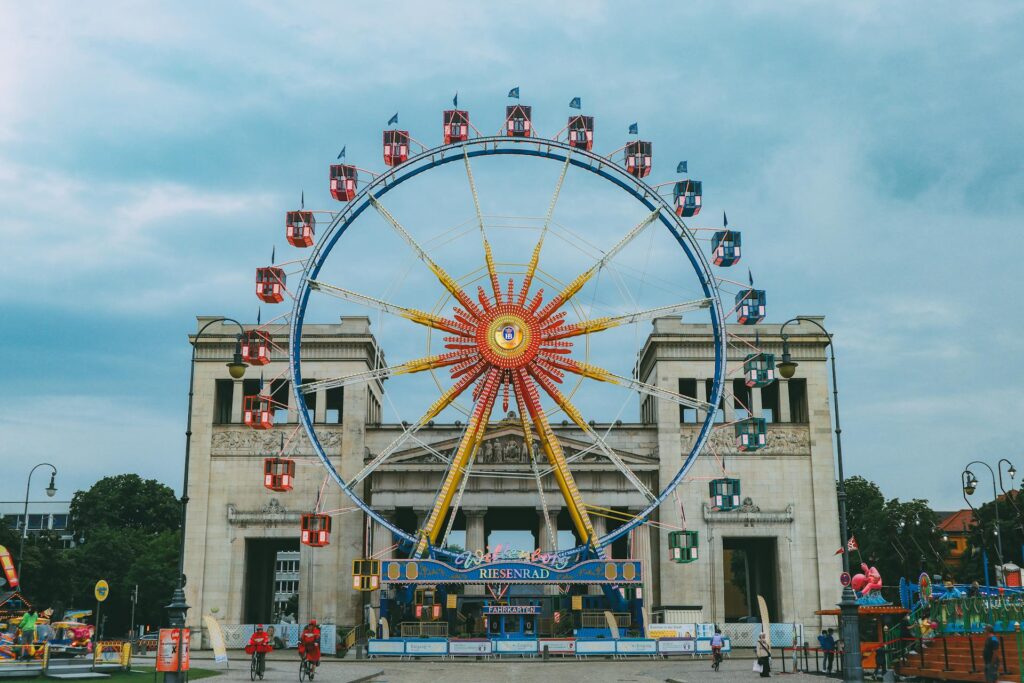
(359, 651)
(544, 655)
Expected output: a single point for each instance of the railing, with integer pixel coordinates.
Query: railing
(592, 619)
(424, 629)
(972, 614)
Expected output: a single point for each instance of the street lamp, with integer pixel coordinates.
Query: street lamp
(849, 625)
(970, 484)
(178, 609)
(51, 490)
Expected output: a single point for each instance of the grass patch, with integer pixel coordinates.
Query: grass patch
(145, 675)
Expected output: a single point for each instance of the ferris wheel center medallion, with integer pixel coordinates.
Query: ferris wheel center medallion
(508, 336)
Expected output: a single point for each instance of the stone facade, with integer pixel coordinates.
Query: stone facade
(789, 486)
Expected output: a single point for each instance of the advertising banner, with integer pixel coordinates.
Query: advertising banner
(636, 647)
(600, 646)
(217, 643)
(559, 646)
(10, 573)
(618, 572)
(673, 646)
(469, 647)
(515, 646)
(386, 647)
(426, 647)
(672, 631)
(167, 656)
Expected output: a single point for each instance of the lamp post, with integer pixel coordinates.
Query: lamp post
(970, 484)
(51, 490)
(178, 609)
(849, 626)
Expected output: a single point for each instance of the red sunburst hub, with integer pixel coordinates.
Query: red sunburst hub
(508, 336)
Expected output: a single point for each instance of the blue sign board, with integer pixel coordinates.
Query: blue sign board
(419, 572)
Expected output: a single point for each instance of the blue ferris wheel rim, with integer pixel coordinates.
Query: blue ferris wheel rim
(530, 147)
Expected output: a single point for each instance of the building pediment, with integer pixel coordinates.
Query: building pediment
(503, 448)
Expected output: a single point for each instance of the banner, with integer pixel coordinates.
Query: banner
(167, 656)
(614, 572)
(220, 650)
(10, 573)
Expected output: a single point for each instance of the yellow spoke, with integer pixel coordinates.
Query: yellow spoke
(608, 322)
(409, 367)
(417, 316)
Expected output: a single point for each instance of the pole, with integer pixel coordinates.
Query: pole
(849, 625)
(24, 517)
(135, 598)
(178, 608)
(995, 503)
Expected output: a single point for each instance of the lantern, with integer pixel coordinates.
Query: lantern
(682, 546)
(316, 529)
(258, 412)
(725, 494)
(750, 306)
(278, 474)
(759, 369)
(256, 347)
(751, 434)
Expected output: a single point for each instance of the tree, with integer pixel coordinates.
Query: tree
(125, 501)
(982, 542)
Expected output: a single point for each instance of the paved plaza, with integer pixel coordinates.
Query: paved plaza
(570, 671)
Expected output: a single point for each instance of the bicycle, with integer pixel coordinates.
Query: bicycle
(257, 666)
(716, 658)
(307, 669)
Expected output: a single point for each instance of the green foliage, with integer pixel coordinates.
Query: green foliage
(898, 538)
(128, 530)
(982, 537)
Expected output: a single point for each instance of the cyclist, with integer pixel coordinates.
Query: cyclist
(309, 643)
(259, 645)
(717, 643)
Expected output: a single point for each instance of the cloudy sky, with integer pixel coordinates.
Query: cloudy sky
(871, 152)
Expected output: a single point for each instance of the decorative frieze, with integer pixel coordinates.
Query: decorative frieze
(782, 440)
(269, 515)
(748, 515)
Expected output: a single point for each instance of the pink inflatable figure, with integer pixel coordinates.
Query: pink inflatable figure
(867, 582)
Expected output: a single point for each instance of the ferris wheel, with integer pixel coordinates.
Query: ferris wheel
(521, 330)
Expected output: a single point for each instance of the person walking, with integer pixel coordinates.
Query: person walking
(764, 655)
(989, 655)
(28, 632)
(830, 650)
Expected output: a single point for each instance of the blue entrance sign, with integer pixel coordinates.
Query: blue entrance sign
(511, 609)
(419, 572)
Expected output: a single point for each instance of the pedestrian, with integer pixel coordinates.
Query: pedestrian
(989, 655)
(975, 590)
(830, 650)
(764, 656)
(28, 632)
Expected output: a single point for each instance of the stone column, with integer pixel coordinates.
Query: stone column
(784, 414)
(320, 411)
(755, 402)
(476, 539)
(702, 395)
(236, 402)
(382, 537)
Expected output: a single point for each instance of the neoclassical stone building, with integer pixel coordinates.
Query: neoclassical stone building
(781, 544)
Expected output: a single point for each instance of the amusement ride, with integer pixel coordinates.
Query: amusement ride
(519, 335)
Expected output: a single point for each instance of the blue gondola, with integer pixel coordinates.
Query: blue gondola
(725, 248)
(750, 306)
(686, 196)
(759, 369)
(751, 434)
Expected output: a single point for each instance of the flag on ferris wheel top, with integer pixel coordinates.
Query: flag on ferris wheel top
(393, 120)
(725, 220)
(681, 167)
(750, 277)
(302, 200)
(341, 154)
(634, 129)
(575, 103)
(259, 312)
(273, 251)
(514, 92)
(455, 100)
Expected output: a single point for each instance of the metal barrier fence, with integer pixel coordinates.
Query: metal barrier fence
(745, 635)
(236, 636)
(594, 619)
(424, 629)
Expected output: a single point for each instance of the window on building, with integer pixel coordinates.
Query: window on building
(279, 394)
(223, 395)
(798, 400)
(770, 402)
(60, 522)
(36, 522)
(742, 401)
(720, 413)
(334, 400)
(13, 521)
(688, 387)
(310, 400)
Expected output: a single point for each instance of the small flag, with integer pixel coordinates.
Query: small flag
(455, 100)
(341, 154)
(273, 250)
(851, 545)
(259, 312)
(634, 129)
(261, 381)
(725, 220)
(750, 276)
(514, 92)
(575, 103)
(302, 200)
(393, 120)
(681, 167)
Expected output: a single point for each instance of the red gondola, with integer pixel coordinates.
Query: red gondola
(517, 121)
(256, 347)
(396, 147)
(278, 474)
(258, 412)
(270, 284)
(343, 182)
(316, 530)
(638, 158)
(300, 228)
(456, 126)
(581, 132)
